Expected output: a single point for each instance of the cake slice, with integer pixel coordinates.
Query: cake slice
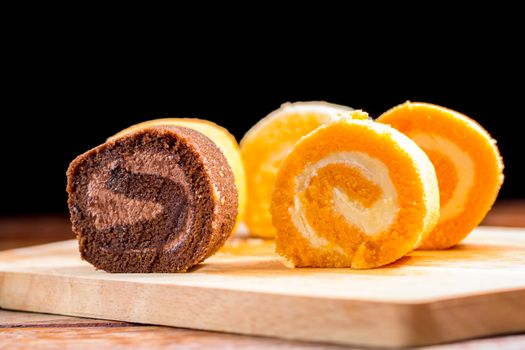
(160, 199)
(353, 193)
(222, 139)
(267, 143)
(467, 161)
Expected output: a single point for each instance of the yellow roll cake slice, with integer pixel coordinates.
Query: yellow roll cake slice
(267, 143)
(467, 162)
(220, 136)
(353, 193)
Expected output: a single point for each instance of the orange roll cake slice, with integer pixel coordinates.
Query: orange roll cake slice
(267, 143)
(219, 135)
(467, 162)
(353, 193)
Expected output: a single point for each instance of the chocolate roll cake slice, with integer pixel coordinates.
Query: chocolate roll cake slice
(161, 199)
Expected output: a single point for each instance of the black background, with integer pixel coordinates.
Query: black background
(64, 98)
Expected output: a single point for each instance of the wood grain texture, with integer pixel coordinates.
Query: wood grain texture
(477, 289)
(510, 213)
(24, 231)
(46, 333)
(49, 335)
(14, 319)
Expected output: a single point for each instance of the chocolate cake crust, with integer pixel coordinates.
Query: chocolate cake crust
(161, 199)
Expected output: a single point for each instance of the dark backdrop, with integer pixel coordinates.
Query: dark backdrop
(62, 105)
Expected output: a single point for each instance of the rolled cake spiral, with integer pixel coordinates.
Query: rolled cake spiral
(467, 162)
(353, 193)
(267, 143)
(160, 199)
(219, 135)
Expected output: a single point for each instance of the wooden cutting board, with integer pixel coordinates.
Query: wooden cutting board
(474, 290)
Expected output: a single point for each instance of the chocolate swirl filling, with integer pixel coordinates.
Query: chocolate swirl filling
(170, 223)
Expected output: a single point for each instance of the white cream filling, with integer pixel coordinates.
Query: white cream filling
(464, 168)
(371, 220)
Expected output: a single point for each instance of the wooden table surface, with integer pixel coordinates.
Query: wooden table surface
(21, 330)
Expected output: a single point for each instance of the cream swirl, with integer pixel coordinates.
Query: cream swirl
(463, 164)
(371, 220)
